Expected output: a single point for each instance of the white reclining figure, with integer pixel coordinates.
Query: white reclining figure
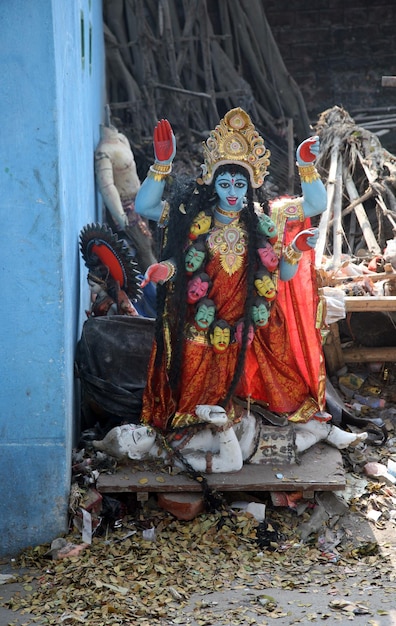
(217, 448)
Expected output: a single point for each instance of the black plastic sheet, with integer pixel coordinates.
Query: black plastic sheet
(111, 363)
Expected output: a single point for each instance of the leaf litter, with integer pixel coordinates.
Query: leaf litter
(172, 578)
(135, 581)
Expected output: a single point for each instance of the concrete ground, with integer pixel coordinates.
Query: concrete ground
(10, 589)
(247, 604)
(333, 593)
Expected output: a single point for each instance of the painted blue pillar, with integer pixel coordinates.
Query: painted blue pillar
(51, 104)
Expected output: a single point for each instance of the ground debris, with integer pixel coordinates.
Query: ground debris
(122, 576)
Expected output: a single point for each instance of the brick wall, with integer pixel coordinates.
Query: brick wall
(338, 51)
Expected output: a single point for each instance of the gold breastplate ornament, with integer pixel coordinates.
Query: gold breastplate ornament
(229, 243)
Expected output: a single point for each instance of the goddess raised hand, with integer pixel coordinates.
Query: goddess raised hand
(149, 200)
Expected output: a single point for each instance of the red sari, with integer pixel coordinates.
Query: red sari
(284, 364)
(205, 374)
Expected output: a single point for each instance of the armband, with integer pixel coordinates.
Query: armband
(171, 270)
(290, 255)
(308, 173)
(160, 171)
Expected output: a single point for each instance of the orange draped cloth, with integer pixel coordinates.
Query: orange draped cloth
(284, 364)
(300, 299)
(271, 372)
(206, 375)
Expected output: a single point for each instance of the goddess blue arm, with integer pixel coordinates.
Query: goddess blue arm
(314, 199)
(148, 201)
(287, 270)
(314, 193)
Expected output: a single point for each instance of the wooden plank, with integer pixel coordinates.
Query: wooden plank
(369, 355)
(332, 350)
(388, 275)
(321, 469)
(370, 303)
(388, 81)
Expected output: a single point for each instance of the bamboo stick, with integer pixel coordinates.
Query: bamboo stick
(324, 220)
(337, 223)
(348, 209)
(170, 43)
(372, 177)
(206, 32)
(352, 231)
(187, 92)
(190, 17)
(361, 215)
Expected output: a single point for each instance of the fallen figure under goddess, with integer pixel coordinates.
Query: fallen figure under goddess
(219, 446)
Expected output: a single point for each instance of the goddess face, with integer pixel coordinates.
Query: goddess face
(143, 438)
(194, 259)
(205, 315)
(200, 225)
(220, 338)
(197, 288)
(231, 190)
(265, 287)
(268, 257)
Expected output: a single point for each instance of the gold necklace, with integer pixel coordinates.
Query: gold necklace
(231, 214)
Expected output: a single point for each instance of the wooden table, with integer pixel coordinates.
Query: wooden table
(336, 357)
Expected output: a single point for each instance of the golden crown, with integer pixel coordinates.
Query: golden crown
(235, 140)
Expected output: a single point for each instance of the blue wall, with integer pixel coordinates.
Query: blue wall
(51, 104)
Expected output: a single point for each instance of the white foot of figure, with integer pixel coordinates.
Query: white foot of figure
(212, 414)
(341, 439)
(313, 432)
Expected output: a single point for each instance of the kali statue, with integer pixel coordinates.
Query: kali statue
(239, 314)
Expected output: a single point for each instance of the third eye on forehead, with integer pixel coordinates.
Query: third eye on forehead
(233, 179)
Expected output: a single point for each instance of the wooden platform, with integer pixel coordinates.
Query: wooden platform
(321, 469)
(336, 356)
